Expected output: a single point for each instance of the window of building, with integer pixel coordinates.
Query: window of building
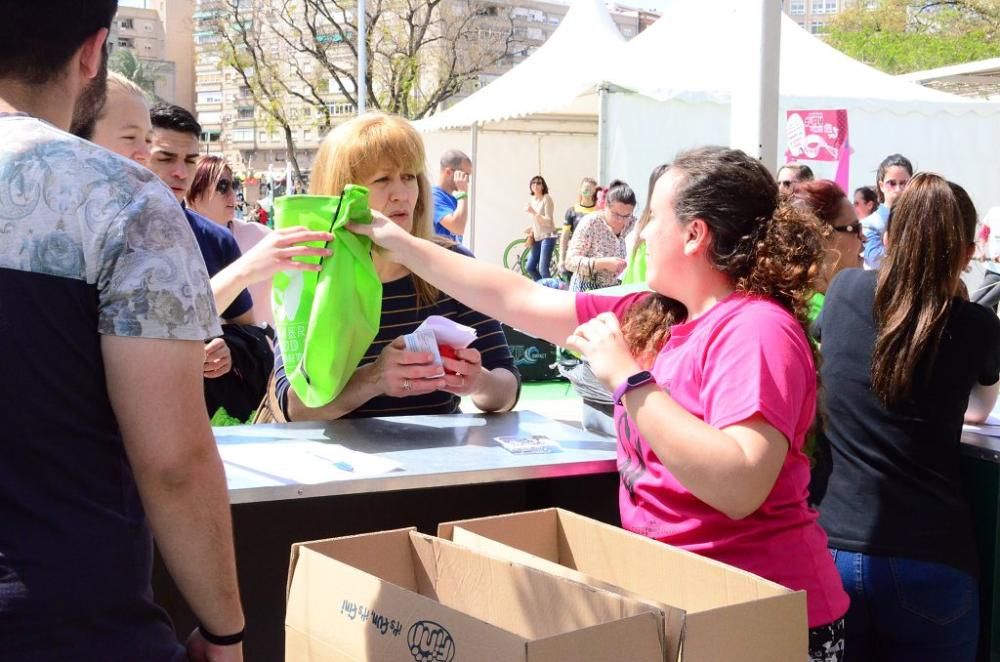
(242, 135)
(245, 92)
(126, 24)
(797, 8)
(245, 113)
(125, 43)
(817, 27)
(148, 27)
(341, 108)
(209, 97)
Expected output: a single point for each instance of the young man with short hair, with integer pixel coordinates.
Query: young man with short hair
(451, 195)
(106, 315)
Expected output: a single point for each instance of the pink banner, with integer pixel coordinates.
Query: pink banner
(819, 138)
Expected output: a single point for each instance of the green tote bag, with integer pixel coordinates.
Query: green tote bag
(326, 320)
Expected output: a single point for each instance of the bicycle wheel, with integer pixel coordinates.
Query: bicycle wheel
(515, 256)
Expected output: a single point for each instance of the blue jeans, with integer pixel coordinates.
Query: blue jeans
(539, 259)
(903, 609)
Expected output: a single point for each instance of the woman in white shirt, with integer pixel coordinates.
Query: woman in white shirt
(543, 230)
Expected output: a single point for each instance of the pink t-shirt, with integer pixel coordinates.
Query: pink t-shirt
(745, 356)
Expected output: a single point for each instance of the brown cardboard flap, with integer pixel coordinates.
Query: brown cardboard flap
(520, 599)
(630, 640)
(664, 573)
(534, 532)
(767, 630)
(673, 618)
(392, 563)
(336, 606)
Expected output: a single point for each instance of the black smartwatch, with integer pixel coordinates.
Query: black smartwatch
(635, 381)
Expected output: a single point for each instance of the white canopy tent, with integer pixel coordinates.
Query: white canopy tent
(679, 79)
(541, 117)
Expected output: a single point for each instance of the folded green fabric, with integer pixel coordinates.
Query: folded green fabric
(326, 320)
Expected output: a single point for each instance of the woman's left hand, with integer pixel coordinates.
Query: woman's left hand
(602, 344)
(463, 373)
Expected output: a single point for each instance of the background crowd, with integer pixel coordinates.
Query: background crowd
(760, 288)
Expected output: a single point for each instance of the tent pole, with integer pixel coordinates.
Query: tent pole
(753, 115)
(362, 94)
(602, 136)
(472, 194)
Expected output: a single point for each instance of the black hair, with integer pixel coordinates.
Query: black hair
(619, 191)
(888, 162)
(37, 39)
(867, 193)
(541, 180)
(174, 118)
(803, 172)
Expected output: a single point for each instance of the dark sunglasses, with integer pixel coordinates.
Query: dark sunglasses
(224, 185)
(853, 228)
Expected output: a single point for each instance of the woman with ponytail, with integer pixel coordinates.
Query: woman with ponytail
(712, 373)
(905, 360)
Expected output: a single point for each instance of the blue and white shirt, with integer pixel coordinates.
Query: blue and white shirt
(91, 244)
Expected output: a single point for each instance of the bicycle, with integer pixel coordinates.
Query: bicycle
(515, 257)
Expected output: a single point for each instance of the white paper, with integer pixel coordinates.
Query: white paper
(306, 462)
(448, 332)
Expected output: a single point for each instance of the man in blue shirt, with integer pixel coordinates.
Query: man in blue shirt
(451, 195)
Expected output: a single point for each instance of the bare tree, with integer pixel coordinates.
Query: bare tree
(245, 49)
(421, 52)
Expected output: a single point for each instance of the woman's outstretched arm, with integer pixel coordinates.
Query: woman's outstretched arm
(501, 294)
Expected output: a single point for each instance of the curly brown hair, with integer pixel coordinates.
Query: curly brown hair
(766, 249)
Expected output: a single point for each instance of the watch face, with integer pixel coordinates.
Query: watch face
(640, 378)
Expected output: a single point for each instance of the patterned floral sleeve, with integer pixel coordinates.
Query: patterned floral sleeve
(580, 245)
(151, 278)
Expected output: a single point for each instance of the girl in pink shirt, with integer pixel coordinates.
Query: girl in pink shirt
(713, 374)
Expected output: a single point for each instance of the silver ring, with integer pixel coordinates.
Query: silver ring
(406, 384)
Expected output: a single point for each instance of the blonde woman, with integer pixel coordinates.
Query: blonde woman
(386, 155)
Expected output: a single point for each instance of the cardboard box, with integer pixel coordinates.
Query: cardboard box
(712, 612)
(399, 595)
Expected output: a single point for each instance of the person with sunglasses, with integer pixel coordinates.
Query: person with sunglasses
(791, 175)
(213, 195)
(843, 236)
(596, 253)
(173, 157)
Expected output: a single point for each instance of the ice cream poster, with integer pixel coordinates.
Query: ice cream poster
(819, 138)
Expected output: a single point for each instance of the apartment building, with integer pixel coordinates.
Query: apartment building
(254, 143)
(160, 35)
(814, 15)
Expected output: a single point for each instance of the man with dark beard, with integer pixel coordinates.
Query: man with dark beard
(105, 315)
(91, 101)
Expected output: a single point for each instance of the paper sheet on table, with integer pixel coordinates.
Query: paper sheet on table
(990, 427)
(306, 462)
(447, 332)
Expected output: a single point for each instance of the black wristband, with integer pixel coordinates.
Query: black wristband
(221, 640)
